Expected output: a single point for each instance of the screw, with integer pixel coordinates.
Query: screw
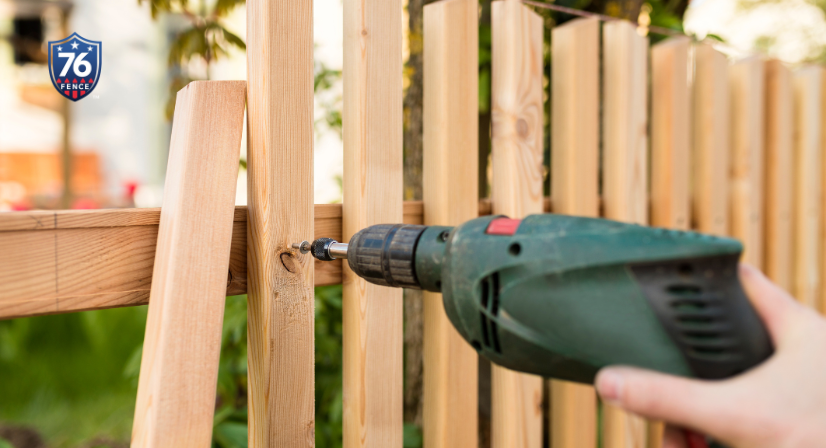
(302, 247)
(444, 235)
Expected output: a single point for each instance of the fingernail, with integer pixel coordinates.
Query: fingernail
(609, 386)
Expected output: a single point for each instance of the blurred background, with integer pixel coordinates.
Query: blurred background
(70, 380)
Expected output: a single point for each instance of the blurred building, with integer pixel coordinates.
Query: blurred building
(117, 136)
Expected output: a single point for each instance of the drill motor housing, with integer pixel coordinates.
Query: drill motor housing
(563, 296)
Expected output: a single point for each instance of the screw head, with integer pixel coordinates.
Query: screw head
(302, 247)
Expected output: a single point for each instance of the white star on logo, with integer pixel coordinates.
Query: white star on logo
(74, 45)
(90, 48)
(59, 48)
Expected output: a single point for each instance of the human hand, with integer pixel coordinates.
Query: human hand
(778, 404)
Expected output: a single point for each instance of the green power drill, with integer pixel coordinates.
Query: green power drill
(563, 296)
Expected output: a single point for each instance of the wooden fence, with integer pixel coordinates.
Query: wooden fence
(671, 135)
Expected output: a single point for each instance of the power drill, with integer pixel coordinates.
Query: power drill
(563, 296)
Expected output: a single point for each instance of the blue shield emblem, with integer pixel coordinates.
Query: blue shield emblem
(74, 64)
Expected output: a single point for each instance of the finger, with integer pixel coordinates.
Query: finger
(694, 404)
(673, 437)
(773, 304)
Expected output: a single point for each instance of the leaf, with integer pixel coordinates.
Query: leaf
(412, 436)
(231, 435)
(223, 7)
(5, 443)
(234, 39)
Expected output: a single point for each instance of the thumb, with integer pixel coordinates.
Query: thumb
(700, 405)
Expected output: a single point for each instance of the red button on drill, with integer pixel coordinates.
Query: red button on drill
(503, 226)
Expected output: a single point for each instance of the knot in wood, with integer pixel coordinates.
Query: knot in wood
(289, 262)
(522, 128)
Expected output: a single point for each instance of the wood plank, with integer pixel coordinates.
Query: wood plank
(625, 170)
(670, 148)
(281, 352)
(516, 190)
(778, 169)
(372, 314)
(747, 85)
(711, 141)
(450, 170)
(670, 133)
(807, 182)
(574, 190)
(179, 364)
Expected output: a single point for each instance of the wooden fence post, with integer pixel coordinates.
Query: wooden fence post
(179, 364)
(516, 191)
(451, 104)
(746, 84)
(574, 189)
(807, 184)
(670, 147)
(280, 191)
(372, 314)
(777, 211)
(625, 172)
(711, 141)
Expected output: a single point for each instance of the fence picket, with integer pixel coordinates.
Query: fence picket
(806, 195)
(777, 212)
(516, 191)
(747, 85)
(670, 148)
(281, 313)
(450, 170)
(711, 141)
(625, 172)
(574, 190)
(670, 133)
(372, 314)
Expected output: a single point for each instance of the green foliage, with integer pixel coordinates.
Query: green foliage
(205, 38)
(56, 368)
(4, 443)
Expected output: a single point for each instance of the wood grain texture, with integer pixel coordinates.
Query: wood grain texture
(372, 314)
(807, 183)
(179, 364)
(52, 256)
(778, 169)
(670, 133)
(450, 175)
(516, 190)
(747, 89)
(711, 141)
(574, 190)
(625, 170)
(281, 346)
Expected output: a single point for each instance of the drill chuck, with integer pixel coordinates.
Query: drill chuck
(382, 254)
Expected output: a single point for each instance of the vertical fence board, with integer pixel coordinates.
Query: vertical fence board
(516, 191)
(746, 85)
(625, 172)
(711, 141)
(450, 170)
(670, 133)
(372, 314)
(807, 183)
(670, 148)
(777, 212)
(280, 191)
(179, 364)
(574, 188)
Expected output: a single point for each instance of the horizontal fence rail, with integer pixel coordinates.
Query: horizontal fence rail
(76, 260)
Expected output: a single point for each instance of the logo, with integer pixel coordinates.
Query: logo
(74, 64)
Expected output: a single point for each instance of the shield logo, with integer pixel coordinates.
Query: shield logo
(74, 65)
